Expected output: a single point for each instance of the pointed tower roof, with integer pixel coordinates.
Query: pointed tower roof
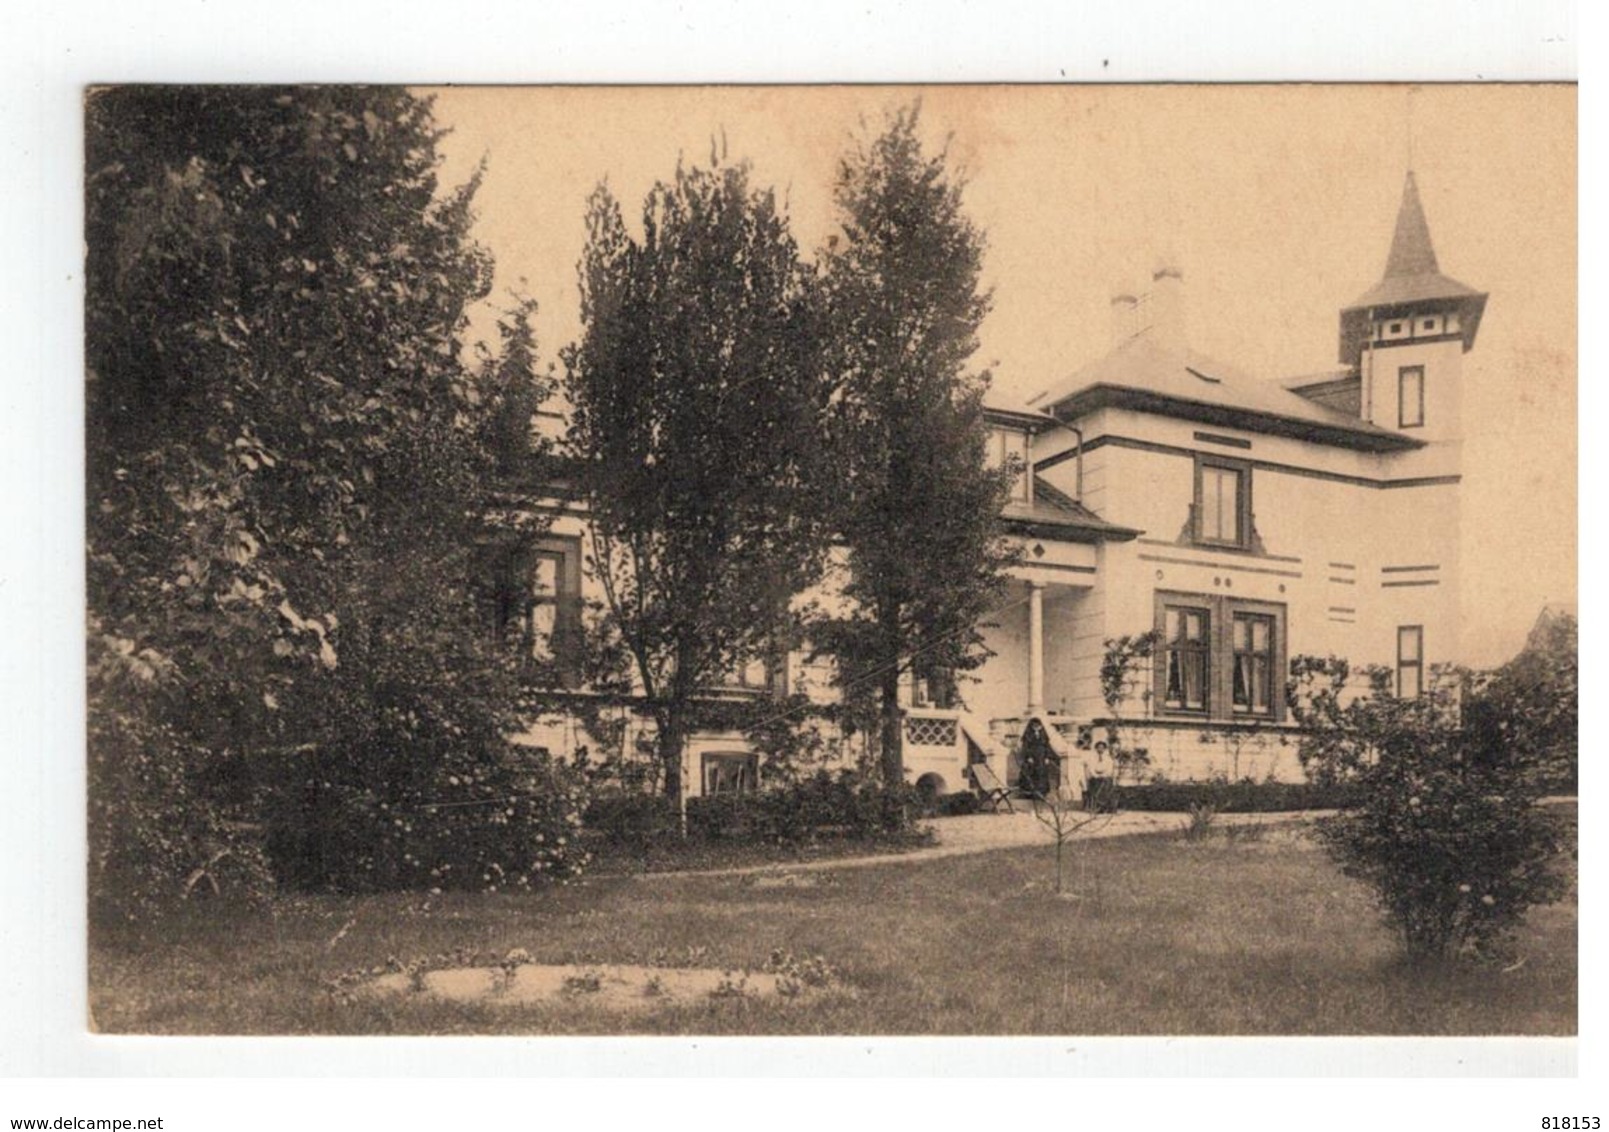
(1412, 253)
(1412, 279)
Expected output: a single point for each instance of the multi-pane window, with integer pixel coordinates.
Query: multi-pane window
(1411, 397)
(1008, 447)
(1186, 662)
(533, 597)
(1410, 661)
(1252, 691)
(734, 772)
(1223, 506)
(934, 689)
(544, 608)
(1219, 657)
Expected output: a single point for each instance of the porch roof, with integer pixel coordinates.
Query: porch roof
(1055, 514)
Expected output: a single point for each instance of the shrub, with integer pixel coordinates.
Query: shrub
(631, 819)
(460, 817)
(1455, 857)
(1447, 830)
(959, 804)
(845, 805)
(1236, 797)
(160, 828)
(1202, 815)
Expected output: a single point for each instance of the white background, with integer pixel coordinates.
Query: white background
(51, 52)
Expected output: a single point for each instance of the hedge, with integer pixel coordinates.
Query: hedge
(822, 805)
(1237, 797)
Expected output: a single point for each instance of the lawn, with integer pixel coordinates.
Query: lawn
(1158, 936)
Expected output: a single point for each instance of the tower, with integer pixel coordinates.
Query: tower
(1406, 336)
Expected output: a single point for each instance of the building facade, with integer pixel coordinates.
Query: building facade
(1241, 521)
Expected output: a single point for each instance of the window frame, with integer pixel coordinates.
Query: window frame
(1222, 610)
(1251, 618)
(748, 777)
(513, 602)
(1186, 609)
(1001, 439)
(1416, 665)
(1403, 373)
(1242, 539)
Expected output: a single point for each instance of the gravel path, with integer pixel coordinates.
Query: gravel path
(979, 833)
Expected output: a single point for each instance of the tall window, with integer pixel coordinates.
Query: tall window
(533, 596)
(1411, 397)
(1219, 657)
(544, 610)
(1410, 661)
(1008, 447)
(1187, 658)
(1223, 502)
(1253, 679)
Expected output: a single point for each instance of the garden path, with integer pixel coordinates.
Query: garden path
(979, 833)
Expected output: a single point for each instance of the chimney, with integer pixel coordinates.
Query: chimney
(1166, 307)
(1124, 324)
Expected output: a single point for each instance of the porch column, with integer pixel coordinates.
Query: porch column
(1036, 647)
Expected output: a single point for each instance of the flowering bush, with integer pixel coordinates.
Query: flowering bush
(1447, 830)
(482, 818)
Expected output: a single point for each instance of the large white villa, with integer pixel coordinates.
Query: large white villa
(1245, 521)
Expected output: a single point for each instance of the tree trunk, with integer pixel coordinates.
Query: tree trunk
(671, 741)
(891, 732)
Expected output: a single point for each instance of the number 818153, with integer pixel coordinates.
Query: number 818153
(1570, 1124)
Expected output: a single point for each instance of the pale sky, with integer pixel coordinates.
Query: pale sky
(1276, 202)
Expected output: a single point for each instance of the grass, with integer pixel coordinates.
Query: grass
(1160, 936)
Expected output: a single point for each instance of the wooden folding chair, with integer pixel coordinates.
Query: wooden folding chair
(989, 785)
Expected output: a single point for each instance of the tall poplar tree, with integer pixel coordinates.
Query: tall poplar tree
(698, 397)
(917, 507)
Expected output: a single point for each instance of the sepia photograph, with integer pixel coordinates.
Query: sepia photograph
(959, 560)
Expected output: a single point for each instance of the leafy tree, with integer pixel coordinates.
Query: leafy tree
(1447, 831)
(917, 509)
(511, 393)
(282, 462)
(1531, 705)
(698, 399)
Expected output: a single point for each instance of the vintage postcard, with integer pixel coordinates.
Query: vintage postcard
(832, 560)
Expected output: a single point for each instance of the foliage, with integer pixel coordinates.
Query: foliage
(1243, 797)
(1530, 705)
(1202, 816)
(698, 405)
(1448, 832)
(284, 468)
(1125, 678)
(845, 805)
(1318, 694)
(916, 507)
(152, 840)
(510, 393)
